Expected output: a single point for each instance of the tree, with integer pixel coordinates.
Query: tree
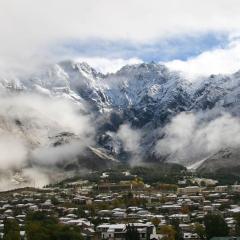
(237, 226)
(97, 221)
(80, 212)
(200, 230)
(203, 183)
(168, 231)
(127, 197)
(132, 233)
(178, 232)
(185, 209)
(156, 221)
(11, 230)
(42, 227)
(92, 209)
(215, 226)
(54, 201)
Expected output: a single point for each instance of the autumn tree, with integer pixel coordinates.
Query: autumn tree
(168, 232)
(200, 230)
(156, 221)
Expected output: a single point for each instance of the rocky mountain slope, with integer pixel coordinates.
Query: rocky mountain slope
(226, 158)
(145, 96)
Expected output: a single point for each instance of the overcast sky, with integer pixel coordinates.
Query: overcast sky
(195, 36)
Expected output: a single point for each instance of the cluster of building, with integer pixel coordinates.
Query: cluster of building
(101, 213)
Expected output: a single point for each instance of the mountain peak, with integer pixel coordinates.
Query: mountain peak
(71, 65)
(143, 67)
(146, 95)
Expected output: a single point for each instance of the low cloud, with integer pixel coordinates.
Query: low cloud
(50, 155)
(131, 142)
(221, 60)
(43, 115)
(36, 177)
(30, 125)
(191, 137)
(13, 151)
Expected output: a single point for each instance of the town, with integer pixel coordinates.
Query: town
(193, 208)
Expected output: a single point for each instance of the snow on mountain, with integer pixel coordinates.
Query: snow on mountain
(217, 90)
(146, 96)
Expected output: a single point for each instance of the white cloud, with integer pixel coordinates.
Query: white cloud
(44, 114)
(30, 124)
(192, 137)
(222, 60)
(130, 137)
(131, 141)
(105, 65)
(29, 28)
(36, 177)
(49, 155)
(13, 151)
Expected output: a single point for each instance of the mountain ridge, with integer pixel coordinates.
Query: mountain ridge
(147, 96)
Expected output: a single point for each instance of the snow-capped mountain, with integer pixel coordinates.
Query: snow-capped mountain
(142, 92)
(146, 96)
(217, 90)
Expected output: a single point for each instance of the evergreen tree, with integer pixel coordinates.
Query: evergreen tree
(237, 226)
(215, 226)
(42, 227)
(132, 233)
(178, 231)
(11, 230)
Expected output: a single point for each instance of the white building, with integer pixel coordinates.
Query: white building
(189, 190)
(118, 231)
(221, 188)
(235, 188)
(181, 217)
(190, 236)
